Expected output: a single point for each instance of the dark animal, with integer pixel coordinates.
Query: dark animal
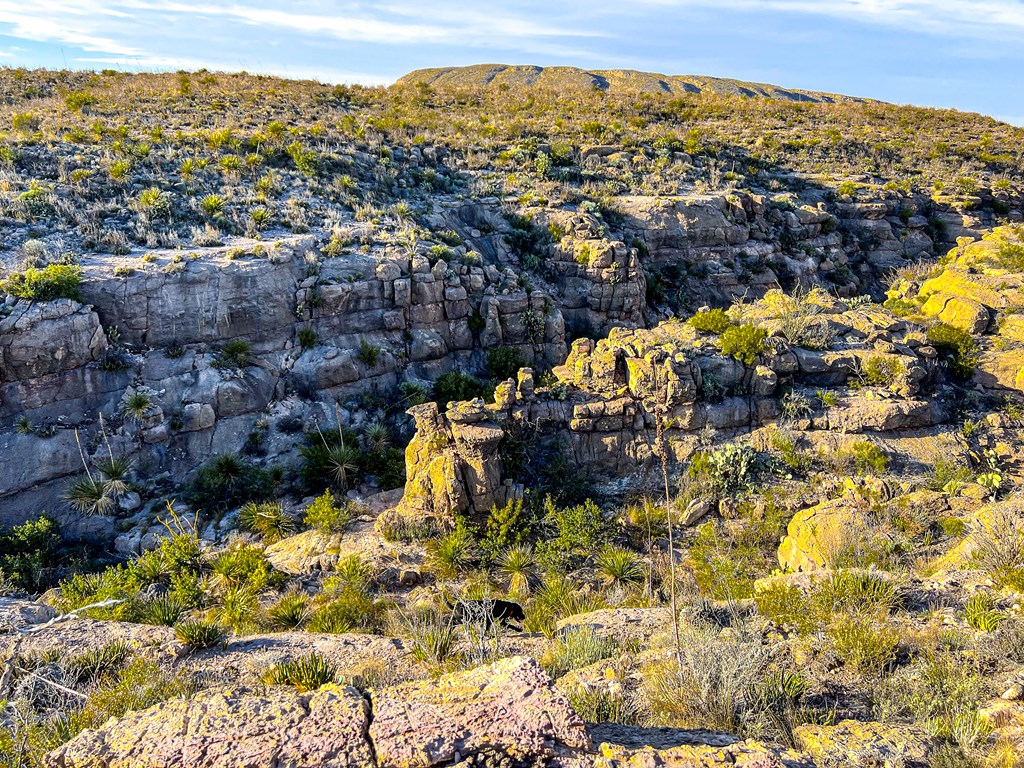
(487, 612)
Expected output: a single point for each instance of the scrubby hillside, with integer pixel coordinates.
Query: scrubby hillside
(296, 380)
(613, 81)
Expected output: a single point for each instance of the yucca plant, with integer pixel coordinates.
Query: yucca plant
(198, 635)
(377, 436)
(114, 471)
(95, 662)
(619, 567)
(519, 567)
(342, 461)
(288, 613)
(161, 611)
(452, 553)
(136, 405)
(305, 674)
(267, 518)
(981, 614)
(239, 608)
(89, 495)
(351, 572)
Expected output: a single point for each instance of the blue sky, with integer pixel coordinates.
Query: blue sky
(951, 53)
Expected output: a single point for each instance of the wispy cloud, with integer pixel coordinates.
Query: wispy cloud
(1002, 18)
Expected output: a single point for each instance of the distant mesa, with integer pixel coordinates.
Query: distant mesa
(614, 81)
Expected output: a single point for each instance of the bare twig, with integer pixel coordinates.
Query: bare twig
(69, 615)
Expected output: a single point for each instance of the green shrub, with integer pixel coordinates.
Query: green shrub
(57, 281)
(743, 342)
(234, 354)
(576, 532)
(882, 371)
(243, 565)
(307, 338)
(787, 606)
(26, 553)
(868, 458)
(305, 674)
(506, 527)
(325, 515)
(227, 481)
(350, 611)
(710, 321)
(503, 363)
(368, 354)
(958, 348)
(455, 386)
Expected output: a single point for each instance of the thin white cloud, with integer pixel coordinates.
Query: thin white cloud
(1002, 18)
(142, 33)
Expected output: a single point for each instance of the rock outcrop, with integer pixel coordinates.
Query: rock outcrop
(507, 710)
(232, 727)
(604, 406)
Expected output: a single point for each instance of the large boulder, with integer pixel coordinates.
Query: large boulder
(509, 708)
(852, 742)
(231, 728)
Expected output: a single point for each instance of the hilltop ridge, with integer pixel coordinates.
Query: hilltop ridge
(612, 81)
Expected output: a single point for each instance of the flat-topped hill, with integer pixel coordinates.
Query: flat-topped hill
(611, 80)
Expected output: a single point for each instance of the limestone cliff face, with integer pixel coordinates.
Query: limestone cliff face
(170, 317)
(160, 321)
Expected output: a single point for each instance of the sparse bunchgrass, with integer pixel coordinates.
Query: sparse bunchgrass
(575, 648)
(604, 701)
(434, 640)
(999, 545)
(941, 692)
(865, 642)
(980, 613)
(708, 687)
